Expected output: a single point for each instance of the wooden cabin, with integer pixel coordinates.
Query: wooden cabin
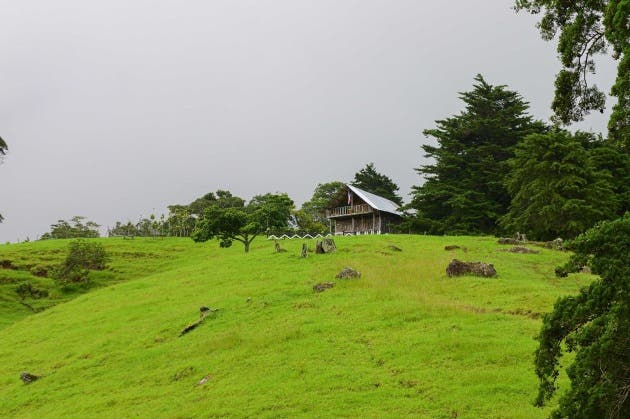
(355, 211)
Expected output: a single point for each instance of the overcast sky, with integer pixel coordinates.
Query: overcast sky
(115, 109)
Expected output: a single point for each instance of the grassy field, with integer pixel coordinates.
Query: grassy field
(403, 340)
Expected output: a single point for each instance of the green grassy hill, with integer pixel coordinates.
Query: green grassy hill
(403, 340)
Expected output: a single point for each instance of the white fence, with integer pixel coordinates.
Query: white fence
(296, 236)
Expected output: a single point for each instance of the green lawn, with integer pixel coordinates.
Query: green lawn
(403, 340)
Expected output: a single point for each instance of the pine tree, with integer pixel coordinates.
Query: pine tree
(377, 183)
(464, 190)
(556, 190)
(594, 325)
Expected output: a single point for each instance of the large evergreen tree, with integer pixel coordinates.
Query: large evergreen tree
(464, 190)
(595, 325)
(370, 180)
(556, 189)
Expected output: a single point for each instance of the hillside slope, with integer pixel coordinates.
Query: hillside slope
(404, 339)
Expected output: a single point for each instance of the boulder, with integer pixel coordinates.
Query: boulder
(457, 268)
(452, 247)
(348, 273)
(521, 249)
(556, 244)
(28, 378)
(394, 248)
(323, 286)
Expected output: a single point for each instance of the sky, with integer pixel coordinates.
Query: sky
(114, 110)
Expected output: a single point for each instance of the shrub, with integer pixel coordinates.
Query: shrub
(82, 256)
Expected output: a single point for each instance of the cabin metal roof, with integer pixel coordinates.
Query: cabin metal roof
(375, 201)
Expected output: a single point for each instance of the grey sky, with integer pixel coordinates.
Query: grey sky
(112, 109)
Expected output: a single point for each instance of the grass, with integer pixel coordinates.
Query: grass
(403, 340)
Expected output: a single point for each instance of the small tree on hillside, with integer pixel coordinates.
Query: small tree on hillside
(82, 257)
(374, 182)
(265, 213)
(594, 325)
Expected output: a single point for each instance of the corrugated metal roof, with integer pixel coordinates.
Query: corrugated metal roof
(375, 201)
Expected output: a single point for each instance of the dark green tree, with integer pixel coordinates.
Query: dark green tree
(220, 198)
(318, 203)
(3, 152)
(263, 214)
(3, 147)
(556, 189)
(374, 182)
(464, 190)
(594, 325)
(587, 28)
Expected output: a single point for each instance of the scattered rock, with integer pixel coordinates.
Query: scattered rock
(278, 248)
(394, 248)
(304, 250)
(182, 373)
(509, 240)
(585, 270)
(452, 247)
(520, 237)
(521, 249)
(203, 315)
(323, 286)
(204, 380)
(348, 273)
(457, 267)
(325, 246)
(557, 244)
(28, 378)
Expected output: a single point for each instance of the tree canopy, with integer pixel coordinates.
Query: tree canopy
(594, 325)
(587, 28)
(464, 191)
(374, 182)
(263, 214)
(76, 227)
(323, 193)
(557, 191)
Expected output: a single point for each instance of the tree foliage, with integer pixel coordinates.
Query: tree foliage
(587, 28)
(82, 257)
(263, 214)
(322, 195)
(370, 180)
(556, 188)
(3, 152)
(76, 227)
(594, 325)
(464, 190)
(3, 147)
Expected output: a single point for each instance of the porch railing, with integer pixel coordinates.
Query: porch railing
(349, 210)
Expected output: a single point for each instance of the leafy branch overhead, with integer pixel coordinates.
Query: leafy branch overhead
(586, 28)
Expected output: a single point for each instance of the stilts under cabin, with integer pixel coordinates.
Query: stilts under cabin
(355, 211)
